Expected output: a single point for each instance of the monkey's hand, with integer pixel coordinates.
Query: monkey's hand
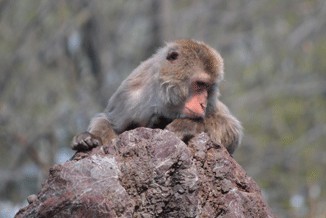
(85, 141)
(186, 128)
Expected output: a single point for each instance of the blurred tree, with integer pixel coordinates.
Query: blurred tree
(61, 60)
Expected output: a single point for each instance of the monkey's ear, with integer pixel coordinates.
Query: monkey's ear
(172, 55)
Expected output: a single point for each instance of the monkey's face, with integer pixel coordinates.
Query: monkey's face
(189, 76)
(195, 106)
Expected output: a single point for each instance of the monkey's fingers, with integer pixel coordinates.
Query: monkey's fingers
(185, 128)
(85, 142)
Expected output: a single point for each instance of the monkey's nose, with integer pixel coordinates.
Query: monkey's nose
(203, 106)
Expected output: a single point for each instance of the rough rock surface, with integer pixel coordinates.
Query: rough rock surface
(149, 173)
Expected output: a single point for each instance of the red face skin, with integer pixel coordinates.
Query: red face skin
(195, 106)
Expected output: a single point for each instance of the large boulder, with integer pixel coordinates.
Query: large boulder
(149, 173)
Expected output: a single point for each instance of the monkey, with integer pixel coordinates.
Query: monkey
(175, 89)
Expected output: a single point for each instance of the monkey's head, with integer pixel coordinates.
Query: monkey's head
(188, 76)
(180, 80)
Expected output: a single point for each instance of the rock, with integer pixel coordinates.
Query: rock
(149, 173)
(31, 198)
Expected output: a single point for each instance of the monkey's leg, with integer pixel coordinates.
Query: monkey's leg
(99, 133)
(223, 128)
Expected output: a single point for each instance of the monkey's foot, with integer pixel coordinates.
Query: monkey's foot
(85, 141)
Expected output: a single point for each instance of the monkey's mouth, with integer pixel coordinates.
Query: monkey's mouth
(194, 114)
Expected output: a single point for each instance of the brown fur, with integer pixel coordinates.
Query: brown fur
(154, 95)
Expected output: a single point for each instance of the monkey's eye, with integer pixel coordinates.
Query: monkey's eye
(200, 86)
(172, 56)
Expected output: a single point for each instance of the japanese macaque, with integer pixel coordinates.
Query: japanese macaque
(176, 89)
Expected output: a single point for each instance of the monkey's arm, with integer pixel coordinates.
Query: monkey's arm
(223, 128)
(99, 133)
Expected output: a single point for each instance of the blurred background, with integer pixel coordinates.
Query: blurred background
(61, 60)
